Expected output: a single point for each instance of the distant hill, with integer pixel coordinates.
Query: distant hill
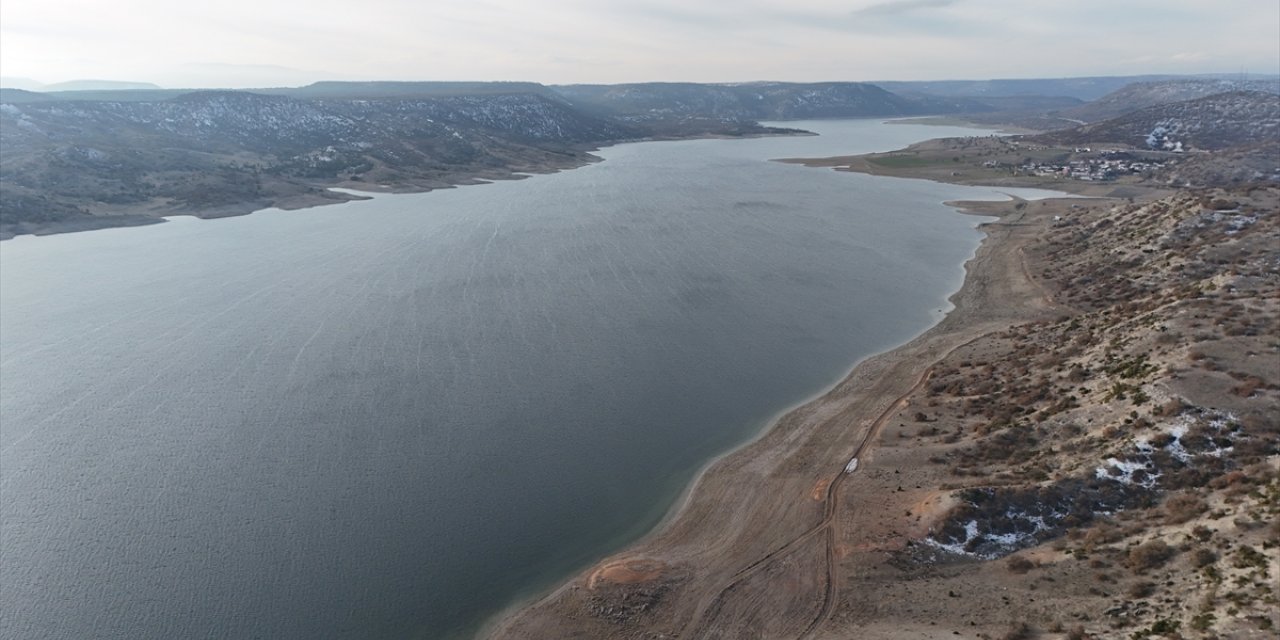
(27, 84)
(1088, 88)
(1145, 94)
(387, 89)
(118, 95)
(1214, 122)
(328, 90)
(753, 101)
(98, 85)
(10, 95)
(80, 164)
(1028, 103)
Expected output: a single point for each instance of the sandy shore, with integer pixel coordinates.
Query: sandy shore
(764, 541)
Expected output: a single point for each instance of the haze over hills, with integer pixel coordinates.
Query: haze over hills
(77, 85)
(100, 85)
(9, 82)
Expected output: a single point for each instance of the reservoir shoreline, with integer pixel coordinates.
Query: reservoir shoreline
(698, 551)
(674, 321)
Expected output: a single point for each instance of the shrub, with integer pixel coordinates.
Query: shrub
(1162, 627)
(1203, 557)
(1248, 387)
(1183, 507)
(1141, 589)
(1247, 556)
(1019, 631)
(1172, 407)
(1103, 533)
(1202, 622)
(1149, 555)
(1019, 565)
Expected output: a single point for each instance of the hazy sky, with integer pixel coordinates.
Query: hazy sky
(240, 43)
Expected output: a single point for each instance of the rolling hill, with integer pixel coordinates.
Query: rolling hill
(1146, 94)
(754, 101)
(1215, 122)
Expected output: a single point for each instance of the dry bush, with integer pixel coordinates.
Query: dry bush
(1183, 507)
(1229, 479)
(1203, 557)
(1102, 534)
(1149, 555)
(1172, 407)
(1019, 565)
(1141, 589)
(1019, 631)
(1248, 387)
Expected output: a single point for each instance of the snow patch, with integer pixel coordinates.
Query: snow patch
(1127, 472)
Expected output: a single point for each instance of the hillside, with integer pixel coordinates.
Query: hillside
(127, 92)
(1251, 163)
(391, 89)
(1087, 88)
(10, 95)
(1215, 122)
(753, 101)
(1140, 95)
(216, 153)
(1041, 113)
(1141, 425)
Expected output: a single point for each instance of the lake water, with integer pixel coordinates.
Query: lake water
(391, 418)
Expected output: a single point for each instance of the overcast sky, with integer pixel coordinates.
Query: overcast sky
(245, 43)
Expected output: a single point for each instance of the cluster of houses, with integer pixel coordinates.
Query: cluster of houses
(1089, 169)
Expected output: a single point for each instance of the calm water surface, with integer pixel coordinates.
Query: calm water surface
(390, 418)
